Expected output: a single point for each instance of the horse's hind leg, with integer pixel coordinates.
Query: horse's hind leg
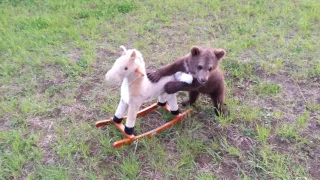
(172, 102)
(162, 99)
(121, 109)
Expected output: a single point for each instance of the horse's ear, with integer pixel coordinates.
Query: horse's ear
(133, 55)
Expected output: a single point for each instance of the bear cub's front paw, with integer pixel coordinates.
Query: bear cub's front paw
(171, 87)
(154, 77)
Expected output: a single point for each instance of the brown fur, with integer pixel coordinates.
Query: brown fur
(203, 64)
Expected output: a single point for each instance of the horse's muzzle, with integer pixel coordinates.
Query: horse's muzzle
(111, 78)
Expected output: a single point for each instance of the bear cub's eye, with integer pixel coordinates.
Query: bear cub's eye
(210, 69)
(199, 67)
(126, 68)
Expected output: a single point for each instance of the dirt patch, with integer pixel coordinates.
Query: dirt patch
(314, 168)
(59, 78)
(227, 170)
(151, 121)
(75, 54)
(94, 148)
(298, 93)
(94, 81)
(46, 85)
(4, 125)
(71, 110)
(38, 123)
(248, 55)
(103, 52)
(314, 124)
(80, 112)
(152, 174)
(204, 163)
(83, 90)
(109, 162)
(47, 126)
(171, 147)
(293, 103)
(49, 156)
(26, 169)
(280, 145)
(244, 143)
(105, 59)
(46, 141)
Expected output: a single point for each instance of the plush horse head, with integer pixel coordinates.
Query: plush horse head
(129, 64)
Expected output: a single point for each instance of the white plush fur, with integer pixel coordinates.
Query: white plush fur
(184, 77)
(136, 88)
(125, 96)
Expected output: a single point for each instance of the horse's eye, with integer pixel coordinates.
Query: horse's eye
(210, 69)
(126, 68)
(199, 67)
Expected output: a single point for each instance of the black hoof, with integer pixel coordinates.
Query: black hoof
(175, 112)
(117, 120)
(161, 104)
(128, 130)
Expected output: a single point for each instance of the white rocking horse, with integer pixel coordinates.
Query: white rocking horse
(136, 89)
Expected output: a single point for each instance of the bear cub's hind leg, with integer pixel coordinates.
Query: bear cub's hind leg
(193, 96)
(218, 103)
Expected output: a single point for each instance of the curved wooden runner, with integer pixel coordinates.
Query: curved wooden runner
(131, 138)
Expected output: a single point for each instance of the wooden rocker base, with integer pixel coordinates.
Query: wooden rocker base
(131, 138)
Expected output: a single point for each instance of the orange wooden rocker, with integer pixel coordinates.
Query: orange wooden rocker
(131, 138)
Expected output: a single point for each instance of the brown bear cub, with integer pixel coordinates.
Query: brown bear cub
(203, 64)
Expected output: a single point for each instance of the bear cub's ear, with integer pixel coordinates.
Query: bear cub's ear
(219, 53)
(195, 51)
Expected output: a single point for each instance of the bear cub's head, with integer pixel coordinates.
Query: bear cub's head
(202, 61)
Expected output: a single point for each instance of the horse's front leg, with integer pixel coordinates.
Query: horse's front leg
(131, 119)
(122, 108)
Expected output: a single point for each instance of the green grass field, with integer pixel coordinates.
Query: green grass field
(54, 54)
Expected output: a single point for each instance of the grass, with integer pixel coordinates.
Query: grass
(265, 88)
(287, 131)
(17, 150)
(49, 172)
(130, 167)
(54, 54)
(303, 119)
(262, 134)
